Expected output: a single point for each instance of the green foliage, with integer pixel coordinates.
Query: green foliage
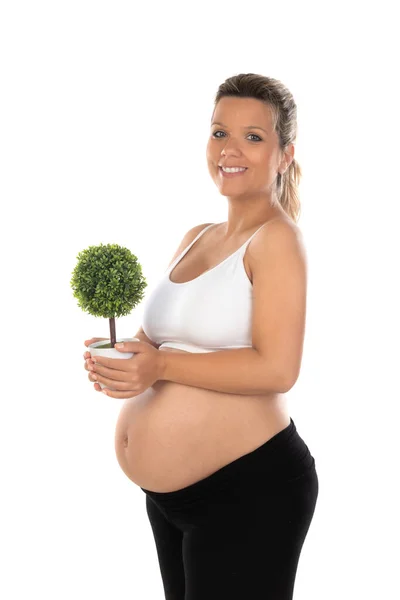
(108, 281)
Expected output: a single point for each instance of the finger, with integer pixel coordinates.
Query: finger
(118, 385)
(112, 374)
(121, 395)
(92, 341)
(97, 386)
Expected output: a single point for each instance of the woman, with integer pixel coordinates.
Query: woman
(230, 485)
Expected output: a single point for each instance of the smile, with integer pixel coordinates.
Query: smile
(230, 175)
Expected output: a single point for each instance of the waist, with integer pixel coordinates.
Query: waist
(283, 458)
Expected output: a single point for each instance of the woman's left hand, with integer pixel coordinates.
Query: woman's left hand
(129, 376)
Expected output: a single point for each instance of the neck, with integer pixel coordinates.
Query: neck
(241, 221)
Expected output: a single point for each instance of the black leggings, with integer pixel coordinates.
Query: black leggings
(238, 533)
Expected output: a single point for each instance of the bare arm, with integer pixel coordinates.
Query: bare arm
(238, 371)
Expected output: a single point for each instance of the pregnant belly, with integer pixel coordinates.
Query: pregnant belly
(173, 435)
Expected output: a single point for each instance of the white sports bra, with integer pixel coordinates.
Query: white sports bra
(209, 313)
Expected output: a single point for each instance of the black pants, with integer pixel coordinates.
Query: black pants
(238, 533)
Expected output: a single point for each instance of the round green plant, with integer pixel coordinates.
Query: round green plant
(108, 282)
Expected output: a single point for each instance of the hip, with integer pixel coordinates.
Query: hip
(272, 482)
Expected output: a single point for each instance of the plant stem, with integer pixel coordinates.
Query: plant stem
(113, 338)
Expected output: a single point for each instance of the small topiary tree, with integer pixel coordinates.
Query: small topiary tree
(108, 283)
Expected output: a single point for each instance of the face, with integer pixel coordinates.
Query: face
(242, 135)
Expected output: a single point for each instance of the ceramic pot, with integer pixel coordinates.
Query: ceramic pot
(110, 352)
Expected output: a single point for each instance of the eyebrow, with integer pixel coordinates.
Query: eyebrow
(245, 127)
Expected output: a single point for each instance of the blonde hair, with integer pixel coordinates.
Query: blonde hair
(284, 112)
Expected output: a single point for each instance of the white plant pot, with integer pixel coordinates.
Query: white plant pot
(110, 353)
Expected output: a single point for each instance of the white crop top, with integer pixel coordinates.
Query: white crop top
(209, 313)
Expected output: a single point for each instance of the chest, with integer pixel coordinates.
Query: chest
(201, 259)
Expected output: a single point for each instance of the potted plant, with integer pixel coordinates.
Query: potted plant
(108, 282)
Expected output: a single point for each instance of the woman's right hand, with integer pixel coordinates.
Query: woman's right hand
(87, 356)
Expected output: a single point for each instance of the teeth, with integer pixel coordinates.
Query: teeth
(233, 169)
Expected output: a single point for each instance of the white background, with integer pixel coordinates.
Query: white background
(105, 114)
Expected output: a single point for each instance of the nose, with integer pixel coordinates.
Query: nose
(231, 151)
(231, 148)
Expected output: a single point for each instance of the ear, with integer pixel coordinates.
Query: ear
(287, 159)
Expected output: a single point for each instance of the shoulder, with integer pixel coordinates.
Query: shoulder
(277, 229)
(188, 239)
(197, 228)
(277, 237)
(194, 232)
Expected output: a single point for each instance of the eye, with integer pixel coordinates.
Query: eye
(253, 134)
(259, 139)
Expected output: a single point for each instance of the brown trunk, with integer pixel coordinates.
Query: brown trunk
(113, 339)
